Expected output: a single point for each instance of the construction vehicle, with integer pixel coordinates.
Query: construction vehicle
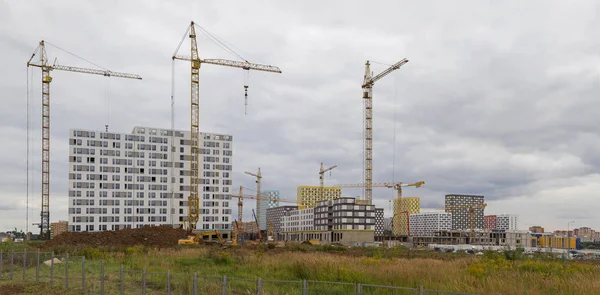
(196, 62)
(199, 238)
(259, 238)
(46, 68)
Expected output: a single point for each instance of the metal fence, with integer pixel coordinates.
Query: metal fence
(94, 277)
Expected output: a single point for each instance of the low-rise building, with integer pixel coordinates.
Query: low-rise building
(57, 228)
(427, 223)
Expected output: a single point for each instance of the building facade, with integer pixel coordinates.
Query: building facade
(461, 217)
(120, 180)
(427, 223)
(308, 196)
(298, 220)
(275, 215)
(489, 222)
(507, 222)
(57, 228)
(270, 200)
(344, 214)
(403, 207)
(536, 229)
(379, 222)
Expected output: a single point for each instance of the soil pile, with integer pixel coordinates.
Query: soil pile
(155, 236)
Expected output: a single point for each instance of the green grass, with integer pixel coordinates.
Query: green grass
(492, 273)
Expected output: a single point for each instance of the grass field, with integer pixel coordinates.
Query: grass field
(491, 273)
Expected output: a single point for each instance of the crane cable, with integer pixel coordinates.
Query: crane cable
(28, 144)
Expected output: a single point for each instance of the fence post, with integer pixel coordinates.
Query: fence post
(259, 286)
(122, 280)
(168, 282)
(12, 262)
(67, 271)
(359, 291)
(83, 274)
(24, 263)
(101, 277)
(52, 269)
(421, 290)
(195, 282)
(224, 285)
(144, 281)
(305, 287)
(1, 260)
(37, 266)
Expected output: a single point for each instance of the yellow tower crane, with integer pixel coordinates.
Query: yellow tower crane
(46, 80)
(196, 62)
(258, 179)
(321, 178)
(367, 87)
(471, 210)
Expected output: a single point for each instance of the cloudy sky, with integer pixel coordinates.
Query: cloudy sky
(499, 98)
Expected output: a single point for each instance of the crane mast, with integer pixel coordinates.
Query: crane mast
(321, 176)
(367, 87)
(46, 80)
(195, 62)
(258, 178)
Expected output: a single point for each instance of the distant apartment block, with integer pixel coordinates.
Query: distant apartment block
(299, 220)
(461, 218)
(379, 223)
(489, 222)
(536, 229)
(57, 228)
(270, 200)
(120, 180)
(308, 196)
(276, 214)
(344, 214)
(427, 223)
(403, 207)
(507, 222)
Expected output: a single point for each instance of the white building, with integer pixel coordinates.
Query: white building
(426, 223)
(298, 220)
(119, 180)
(507, 222)
(270, 200)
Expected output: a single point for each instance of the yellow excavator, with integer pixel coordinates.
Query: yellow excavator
(199, 238)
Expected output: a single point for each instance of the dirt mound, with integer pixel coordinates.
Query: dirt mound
(156, 236)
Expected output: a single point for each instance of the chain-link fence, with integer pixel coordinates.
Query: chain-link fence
(91, 277)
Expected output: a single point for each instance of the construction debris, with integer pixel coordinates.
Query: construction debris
(157, 236)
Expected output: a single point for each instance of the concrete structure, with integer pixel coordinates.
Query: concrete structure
(119, 180)
(344, 214)
(536, 229)
(403, 207)
(57, 228)
(379, 223)
(275, 215)
(427, 223)
(548, 240)
(489, 222)
(500, 238)
(507, 222)
(461, 218)
(271, 200)
(387, 226)
(298, 220)
(308, 196)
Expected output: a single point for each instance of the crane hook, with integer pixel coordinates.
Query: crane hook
(245, 99)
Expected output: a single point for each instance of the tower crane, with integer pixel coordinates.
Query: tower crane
(258, 178)
(367, 88)
(471, 209)
(196, 62)
(46, 80)
(321, 176)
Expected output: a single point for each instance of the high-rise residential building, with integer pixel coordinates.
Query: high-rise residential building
(489, 222)
(427, 223)
(459, 205)
(270, 199)
(403, 207)
(275, 215)
(507, 222)
(379, 223)
(536, 229)
(120, 180)
(308, 196)
(57, 228)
